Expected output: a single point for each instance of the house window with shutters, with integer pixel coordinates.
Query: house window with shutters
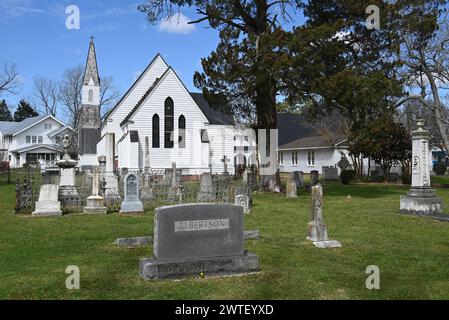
(168, 123)
(155, 135)
(182, 132)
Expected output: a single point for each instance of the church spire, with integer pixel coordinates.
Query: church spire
(91, 71)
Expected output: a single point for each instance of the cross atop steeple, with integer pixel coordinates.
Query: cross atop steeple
(91, 71)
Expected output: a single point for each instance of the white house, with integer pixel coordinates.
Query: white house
(158, 122)
(35, 141)
(310, 153)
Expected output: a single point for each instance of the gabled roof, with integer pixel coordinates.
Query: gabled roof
(51, 134)
(91, 70)
(143, 98)
(28, 123)
(132, 87)
(212, 114)
(24, 124)
(6, 125)
(54, 147)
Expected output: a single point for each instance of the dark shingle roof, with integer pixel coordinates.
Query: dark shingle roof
(292, 127)
(213, 115)
(312, 142)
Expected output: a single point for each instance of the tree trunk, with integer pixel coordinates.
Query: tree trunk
(437, 111)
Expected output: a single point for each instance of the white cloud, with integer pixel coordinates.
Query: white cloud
(177, 24)
(17, 8)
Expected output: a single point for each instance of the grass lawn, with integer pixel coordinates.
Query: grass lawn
(412, 253)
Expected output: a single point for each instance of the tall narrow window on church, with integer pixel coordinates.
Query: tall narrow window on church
(91, 95)
(182, 132)
(169, 123)
(155, 126)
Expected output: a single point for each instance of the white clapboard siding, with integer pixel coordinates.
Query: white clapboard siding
(19, 141)
(154, 71)
(188, 157)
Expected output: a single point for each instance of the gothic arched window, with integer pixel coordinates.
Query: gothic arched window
(91, 95)
(155, 128)
(169, 123)
(182, 131)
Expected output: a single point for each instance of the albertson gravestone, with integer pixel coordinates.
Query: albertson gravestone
(190, 239)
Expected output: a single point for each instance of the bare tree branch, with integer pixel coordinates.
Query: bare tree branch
(9, 78)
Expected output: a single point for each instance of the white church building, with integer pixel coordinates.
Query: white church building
(158, 122)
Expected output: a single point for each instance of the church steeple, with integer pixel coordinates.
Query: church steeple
(91, 79)
(89, 123)
(91, 71)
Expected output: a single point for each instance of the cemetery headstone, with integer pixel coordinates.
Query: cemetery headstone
(330, 174)
(314, 177)
(131, 203)
(68, 193)
(48, 204)
(291, 188)
(207, 191)
(317, 230)
(298, 177)
(190, 239)
(421, 199)
(95, 202)
(174, 192)
(243, 201)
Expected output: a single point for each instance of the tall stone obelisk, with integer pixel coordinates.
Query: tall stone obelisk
(421, 199)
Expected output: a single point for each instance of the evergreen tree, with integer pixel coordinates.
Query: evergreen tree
(5, 113)
(24, 111)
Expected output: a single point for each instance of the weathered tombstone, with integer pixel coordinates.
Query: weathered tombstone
(330, 174)
(314, 177)
(191, 239)
(132, 203)
(317, 230)
(298, 177)
(95, 202)
(111, 193)
(207, 191)
(421, 199)
(48, 204)
(68, 192)
(245, 175)
(174, 192)
(252, 181)
(243, 201)
(291, 188)
(225, 161)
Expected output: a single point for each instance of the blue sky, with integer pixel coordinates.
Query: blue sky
(33, 35)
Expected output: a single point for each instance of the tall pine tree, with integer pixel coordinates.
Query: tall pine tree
(24, 111)
(5, 113)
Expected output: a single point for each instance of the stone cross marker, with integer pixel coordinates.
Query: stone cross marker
(317, 230)
(132, 203)
(95, 203)
(421, 199)
(190, 239)
(225, 161)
